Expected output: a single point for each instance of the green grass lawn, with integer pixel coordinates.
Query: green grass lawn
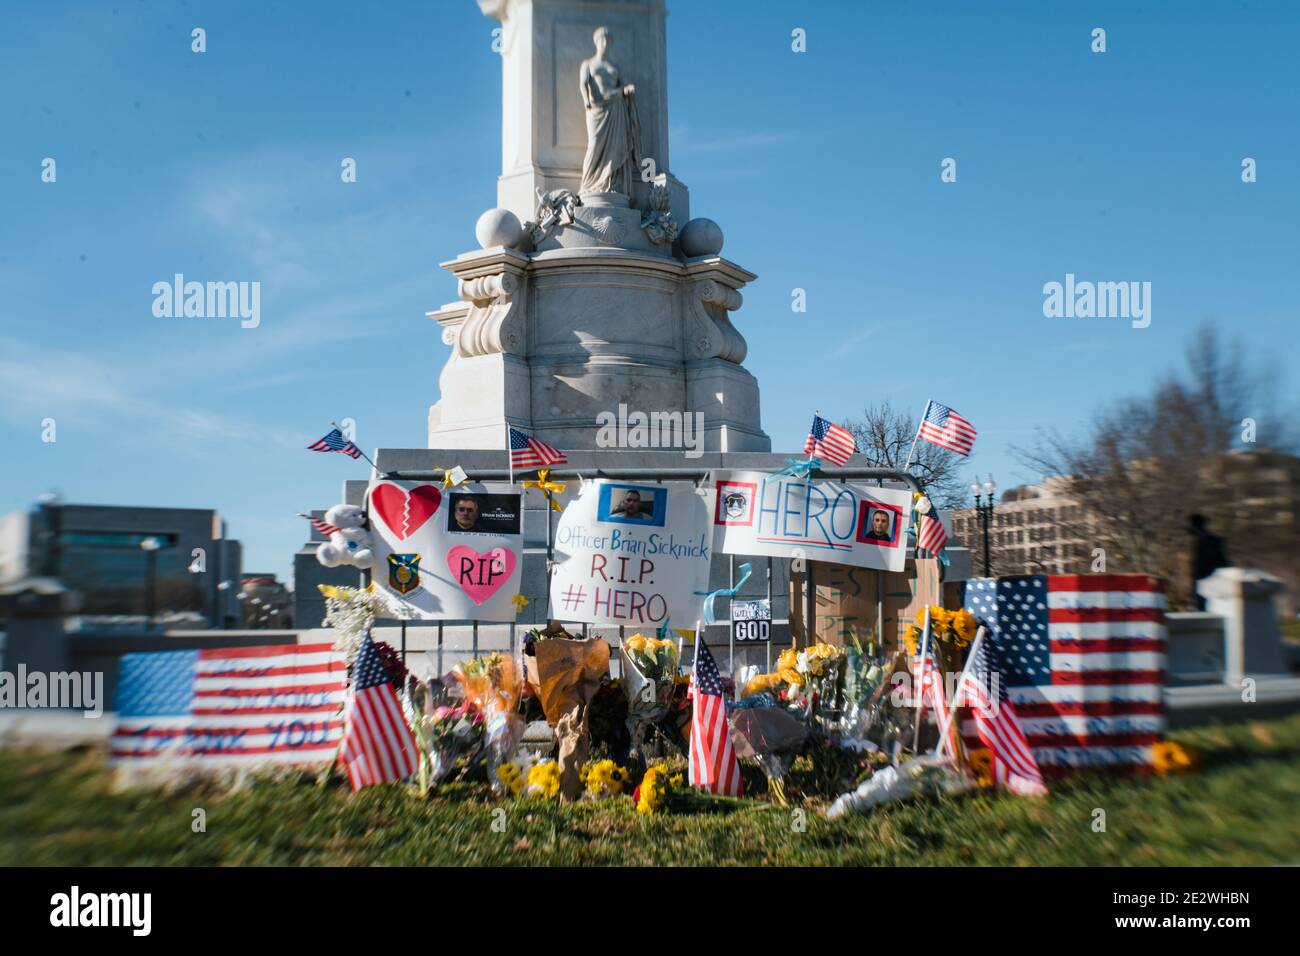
(1240, 808)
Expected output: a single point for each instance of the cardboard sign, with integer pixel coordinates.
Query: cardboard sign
(448, 553)
(848, 600)
(632, 554)
(785, 517)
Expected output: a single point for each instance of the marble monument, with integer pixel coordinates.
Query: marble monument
(593, 287)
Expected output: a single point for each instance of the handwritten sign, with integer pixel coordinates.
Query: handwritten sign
(448, 554)
(844, 523)
(632, 554)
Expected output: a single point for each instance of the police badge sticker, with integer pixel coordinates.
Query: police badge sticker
(404, 572)
(735, 504)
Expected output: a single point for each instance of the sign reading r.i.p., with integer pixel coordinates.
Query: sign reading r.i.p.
(751, 621)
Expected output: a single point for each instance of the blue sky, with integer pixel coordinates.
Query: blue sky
(822, 169)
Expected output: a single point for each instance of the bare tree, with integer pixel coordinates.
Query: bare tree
(884, 435)
(1145, 463)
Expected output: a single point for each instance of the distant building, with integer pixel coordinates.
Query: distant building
(268, 603)
(1035, 529)
(1040, 529)
(126, 561)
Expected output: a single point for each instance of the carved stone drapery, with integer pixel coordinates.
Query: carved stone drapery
(710, 333)
(495, 319)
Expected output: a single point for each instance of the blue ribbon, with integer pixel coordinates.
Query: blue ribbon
(745, 570)
(797, 468)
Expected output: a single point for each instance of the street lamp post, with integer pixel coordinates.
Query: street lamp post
(150, 546)
(985, 512)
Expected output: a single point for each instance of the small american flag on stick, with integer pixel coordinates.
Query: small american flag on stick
(713, 761)
(943, 427)
(377, 743)
(529, 452)
(829, 442)
(323, 527)
(997, 726)
(930, 533)
(334, 441)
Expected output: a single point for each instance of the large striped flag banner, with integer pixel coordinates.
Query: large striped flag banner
(713, 764)
(230, 707)
(377, 741)
(1083, 660)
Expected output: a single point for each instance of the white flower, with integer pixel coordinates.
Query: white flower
(801, 662)
(923, 505)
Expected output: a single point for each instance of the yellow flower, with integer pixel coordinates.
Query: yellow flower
(964, 627)
(912, 638)
(509, 775)
(636, 643)
(544, 780)
(604, 778)
(760, 684)
(787, 667)
(654, 791)
(1170, 757)
(981, 763)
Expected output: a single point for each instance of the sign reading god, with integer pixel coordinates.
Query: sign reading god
(448, 553)
(632, 554)
(787, 517)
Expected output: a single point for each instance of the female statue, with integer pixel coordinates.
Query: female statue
(613, 133)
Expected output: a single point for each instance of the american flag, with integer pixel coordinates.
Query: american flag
(929, 532)
(713, 762)
(335, 441)
(1083, 659)
(997, 725)
(377, 743)
(321, 526)
(230, 707)
(929, 679)
(943, 427)
(528, 452)
(829, 442)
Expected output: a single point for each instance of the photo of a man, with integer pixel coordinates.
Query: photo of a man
(879, 530)
(465, 514)
(628, 504)
(633, 507)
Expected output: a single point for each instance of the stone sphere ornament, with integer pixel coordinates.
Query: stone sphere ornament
(498, 227)
(701, 237)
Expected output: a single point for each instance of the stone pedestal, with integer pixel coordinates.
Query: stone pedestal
(1244, 599)
(549, 341)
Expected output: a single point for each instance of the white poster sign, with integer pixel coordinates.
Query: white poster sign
(787, 517)
(633, 554)
(448, 553)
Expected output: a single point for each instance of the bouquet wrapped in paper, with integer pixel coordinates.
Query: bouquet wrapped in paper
(649, 674)
(491, 684)
(569, 674)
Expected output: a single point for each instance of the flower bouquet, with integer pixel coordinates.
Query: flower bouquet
(447, 736)
(650, 673)
(604, 778)
(492, 685)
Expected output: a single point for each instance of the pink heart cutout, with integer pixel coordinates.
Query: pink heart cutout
(480, 575)
(390, 503)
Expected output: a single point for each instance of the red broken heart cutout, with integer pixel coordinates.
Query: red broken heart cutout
(405, 513)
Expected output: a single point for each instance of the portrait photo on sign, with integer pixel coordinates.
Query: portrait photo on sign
(483, 513)
(645, 505)
(879, 524)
